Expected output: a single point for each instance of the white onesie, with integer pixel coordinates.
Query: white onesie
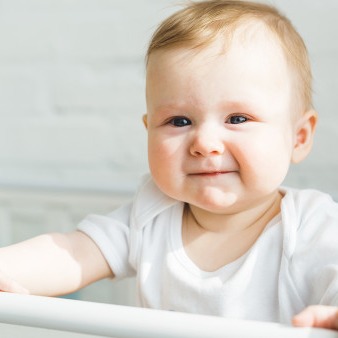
(293, 264)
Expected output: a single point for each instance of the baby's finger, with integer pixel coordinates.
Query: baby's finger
(318, 316)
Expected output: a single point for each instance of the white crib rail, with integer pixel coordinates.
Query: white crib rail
(121, 321)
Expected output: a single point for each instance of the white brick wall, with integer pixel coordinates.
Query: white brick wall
(72, 91)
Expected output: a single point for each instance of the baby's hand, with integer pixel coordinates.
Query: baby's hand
(7, 284)
(325, 317)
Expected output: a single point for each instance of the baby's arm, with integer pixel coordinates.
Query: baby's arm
(318, 316)
(52, 264)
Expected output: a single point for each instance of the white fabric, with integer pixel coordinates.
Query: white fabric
(293, 264)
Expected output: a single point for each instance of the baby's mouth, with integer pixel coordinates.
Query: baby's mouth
(211, 173)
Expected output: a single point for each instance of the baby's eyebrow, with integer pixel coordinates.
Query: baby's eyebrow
(224, 106)
(236, 105)
(170, 107)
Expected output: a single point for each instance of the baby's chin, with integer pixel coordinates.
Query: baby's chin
(217, 202)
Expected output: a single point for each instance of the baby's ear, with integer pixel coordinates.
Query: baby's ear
(305, 130)
(145, 120)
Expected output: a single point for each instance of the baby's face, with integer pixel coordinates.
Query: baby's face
(220, 128)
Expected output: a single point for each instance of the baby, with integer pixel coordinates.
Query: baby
(211, 231)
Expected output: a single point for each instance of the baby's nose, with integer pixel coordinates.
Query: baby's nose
(206, 142)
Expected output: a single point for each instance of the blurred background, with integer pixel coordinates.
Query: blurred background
(72, 81)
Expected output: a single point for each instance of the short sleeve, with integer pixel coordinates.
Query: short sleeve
(111, 234)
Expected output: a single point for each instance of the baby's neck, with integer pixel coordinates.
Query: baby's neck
(213, 240)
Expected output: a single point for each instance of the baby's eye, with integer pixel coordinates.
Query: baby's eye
(180, 122)
(236, 119)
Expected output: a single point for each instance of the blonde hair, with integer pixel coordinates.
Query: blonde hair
(200, 23)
